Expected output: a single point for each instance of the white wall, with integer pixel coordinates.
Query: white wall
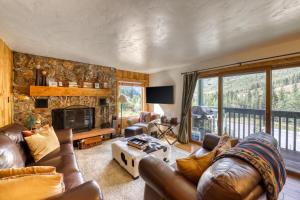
(174, 77)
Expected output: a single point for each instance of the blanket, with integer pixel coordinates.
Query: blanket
(262, 151)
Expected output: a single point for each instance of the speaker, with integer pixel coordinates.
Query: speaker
(102, 102)
(41, 103)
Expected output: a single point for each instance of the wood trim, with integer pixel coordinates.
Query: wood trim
(6, 95)
(42, 91)
(190, 124)
(133, 79)
(253, 67)
(220, 105)
(268, 100)
(265, 66)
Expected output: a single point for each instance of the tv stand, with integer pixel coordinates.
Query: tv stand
(93, 137)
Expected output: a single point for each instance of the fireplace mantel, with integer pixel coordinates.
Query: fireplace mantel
(45, 91)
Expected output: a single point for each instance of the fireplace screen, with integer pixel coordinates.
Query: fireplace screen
(78, 118)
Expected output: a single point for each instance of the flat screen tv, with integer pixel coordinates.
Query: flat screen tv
(161, 95)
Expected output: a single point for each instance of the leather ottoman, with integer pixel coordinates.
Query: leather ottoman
(132, 131)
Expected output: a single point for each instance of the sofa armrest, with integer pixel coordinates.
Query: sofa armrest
(88, 191)
(165, 181)
(64, 136)
(132, 120)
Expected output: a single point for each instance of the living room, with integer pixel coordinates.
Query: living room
(108, 99)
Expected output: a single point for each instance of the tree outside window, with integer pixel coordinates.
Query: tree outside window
(134, 96)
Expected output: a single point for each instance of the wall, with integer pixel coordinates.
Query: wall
(5, 84)
(58, 70)
(174, 77)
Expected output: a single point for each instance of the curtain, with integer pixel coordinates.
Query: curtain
(189, 84)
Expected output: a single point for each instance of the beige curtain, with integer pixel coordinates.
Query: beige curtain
(189, 84)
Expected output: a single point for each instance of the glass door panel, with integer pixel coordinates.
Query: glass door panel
(286, 107)
(244, 104)
(205, 108)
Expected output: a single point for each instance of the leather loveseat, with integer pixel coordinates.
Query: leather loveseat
(227, 178)
(15, 153)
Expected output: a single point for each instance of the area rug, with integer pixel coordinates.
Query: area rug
(97, 164)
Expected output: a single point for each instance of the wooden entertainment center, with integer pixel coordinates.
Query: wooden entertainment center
(92, 137)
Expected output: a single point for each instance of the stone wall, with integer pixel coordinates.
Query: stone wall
(59, 70)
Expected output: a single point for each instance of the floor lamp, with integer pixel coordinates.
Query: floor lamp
(122, 100)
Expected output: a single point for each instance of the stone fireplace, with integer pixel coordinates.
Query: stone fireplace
(64, 71)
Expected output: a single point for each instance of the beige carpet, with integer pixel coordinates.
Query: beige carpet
(96, 163)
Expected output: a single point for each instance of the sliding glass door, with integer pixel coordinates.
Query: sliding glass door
(204, 108)
(244, 104)
(249, 99)
(286, 107)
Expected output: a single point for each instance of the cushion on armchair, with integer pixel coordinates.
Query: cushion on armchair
(145, 117)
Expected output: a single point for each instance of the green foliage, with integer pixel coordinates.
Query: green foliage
(248, 91)
(134, 97)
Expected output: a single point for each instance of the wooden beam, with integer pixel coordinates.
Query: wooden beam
(44, 91)
(268, 100)
(253, 67)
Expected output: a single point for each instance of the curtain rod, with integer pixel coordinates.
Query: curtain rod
(241, 63)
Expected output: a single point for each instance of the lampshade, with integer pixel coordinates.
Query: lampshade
(122, 99)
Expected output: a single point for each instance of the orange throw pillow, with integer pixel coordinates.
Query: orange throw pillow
(193, 167)
(27, 133)
(36, 182)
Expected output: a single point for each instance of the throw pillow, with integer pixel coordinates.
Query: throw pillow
(31, 186)
(42, 142)
(193, 167)
(26, 170)
(223, 145)
(145, 117)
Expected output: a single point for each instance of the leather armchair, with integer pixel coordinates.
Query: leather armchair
(228, 178)
(148, 127)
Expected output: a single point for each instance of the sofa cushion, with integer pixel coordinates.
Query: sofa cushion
(42, 142)
(26, 170)
(145, 117)
(230, 176)
(32, 186)
(10, 153)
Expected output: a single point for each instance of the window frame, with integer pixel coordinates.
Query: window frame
(133, 84)
(238, 69)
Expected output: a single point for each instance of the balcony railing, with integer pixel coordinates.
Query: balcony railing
(241, 122)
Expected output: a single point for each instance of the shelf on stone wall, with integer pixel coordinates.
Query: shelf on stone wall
(45, 91)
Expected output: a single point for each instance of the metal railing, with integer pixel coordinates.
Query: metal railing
(241, 122)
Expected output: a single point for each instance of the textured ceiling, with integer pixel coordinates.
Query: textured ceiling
(144, 35)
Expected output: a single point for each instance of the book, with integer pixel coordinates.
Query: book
(137, 143)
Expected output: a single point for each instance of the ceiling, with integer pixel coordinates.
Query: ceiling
(144, 35)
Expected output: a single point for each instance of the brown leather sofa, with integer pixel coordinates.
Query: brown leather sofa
(228, 178)
(15, 153)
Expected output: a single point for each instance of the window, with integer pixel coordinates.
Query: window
(134, 96)
(244, 104)
(286, 107)
(205, 108)
(261, 99)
